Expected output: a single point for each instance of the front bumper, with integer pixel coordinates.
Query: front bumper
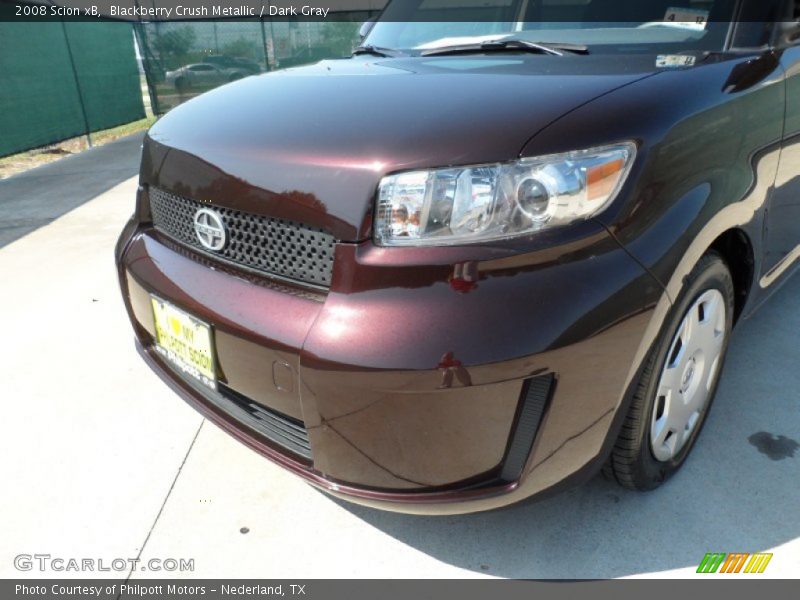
(410, 376)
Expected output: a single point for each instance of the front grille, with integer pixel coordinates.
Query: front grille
(276, 427)
(270, 245)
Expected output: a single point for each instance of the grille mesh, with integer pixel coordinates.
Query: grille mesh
(268, 244)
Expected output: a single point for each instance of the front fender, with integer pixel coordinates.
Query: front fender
(707, 161)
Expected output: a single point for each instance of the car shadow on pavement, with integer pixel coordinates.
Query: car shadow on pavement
(737, 492)
(34, 198)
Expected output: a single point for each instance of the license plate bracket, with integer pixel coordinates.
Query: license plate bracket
(185, 341)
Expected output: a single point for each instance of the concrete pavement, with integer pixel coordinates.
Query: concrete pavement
(101, 460)
(36, 197)
(84, 469)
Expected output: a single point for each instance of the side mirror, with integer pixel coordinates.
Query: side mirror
(752, 72)
(365, 28)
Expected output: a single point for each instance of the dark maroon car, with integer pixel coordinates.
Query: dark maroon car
(479, 260)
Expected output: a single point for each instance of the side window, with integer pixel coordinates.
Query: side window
(757, 21)
(793, 11)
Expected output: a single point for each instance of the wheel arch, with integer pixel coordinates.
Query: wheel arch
(736, 249)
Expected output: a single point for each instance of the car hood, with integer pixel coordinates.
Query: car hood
(311, 144)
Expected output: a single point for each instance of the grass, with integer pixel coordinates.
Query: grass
(17, 163)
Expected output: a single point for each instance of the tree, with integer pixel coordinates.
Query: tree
(175, 42)
(341, 37)
(240, 47)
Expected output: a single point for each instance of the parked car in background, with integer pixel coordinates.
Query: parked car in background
(202, 75)
(234, 63)
(478, 261)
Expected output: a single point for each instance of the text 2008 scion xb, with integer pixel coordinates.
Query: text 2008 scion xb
(480, 260)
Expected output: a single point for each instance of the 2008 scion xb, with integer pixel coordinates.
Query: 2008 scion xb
(479, 260)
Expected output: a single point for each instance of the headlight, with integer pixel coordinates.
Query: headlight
(463, 205)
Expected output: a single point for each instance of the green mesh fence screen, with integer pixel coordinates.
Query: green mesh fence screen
(61, 80)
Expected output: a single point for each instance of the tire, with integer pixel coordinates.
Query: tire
(638, 462)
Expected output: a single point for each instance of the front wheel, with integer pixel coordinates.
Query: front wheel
(678, 382)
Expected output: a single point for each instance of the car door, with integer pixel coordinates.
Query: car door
(203, 74)
(783, 216)
(195, 73)
(216, 75)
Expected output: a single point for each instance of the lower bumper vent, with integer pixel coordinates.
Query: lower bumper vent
(535, 396)
(288, 433)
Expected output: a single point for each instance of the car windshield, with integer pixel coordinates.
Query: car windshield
(619, 26)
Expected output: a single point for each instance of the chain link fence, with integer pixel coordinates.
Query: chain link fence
(184, 59)
(64, 78)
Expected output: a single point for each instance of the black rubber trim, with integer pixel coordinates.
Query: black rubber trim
(281, 429)
(535, 396)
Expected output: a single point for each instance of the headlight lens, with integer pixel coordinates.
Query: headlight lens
(463, 205)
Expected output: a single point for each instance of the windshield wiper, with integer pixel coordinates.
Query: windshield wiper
(376, 51)
(509, 46)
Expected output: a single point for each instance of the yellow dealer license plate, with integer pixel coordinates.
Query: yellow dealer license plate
(185, 342)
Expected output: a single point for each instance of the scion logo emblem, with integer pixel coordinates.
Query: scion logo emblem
(209, 229)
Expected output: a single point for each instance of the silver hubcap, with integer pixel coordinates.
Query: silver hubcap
(688, 375)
